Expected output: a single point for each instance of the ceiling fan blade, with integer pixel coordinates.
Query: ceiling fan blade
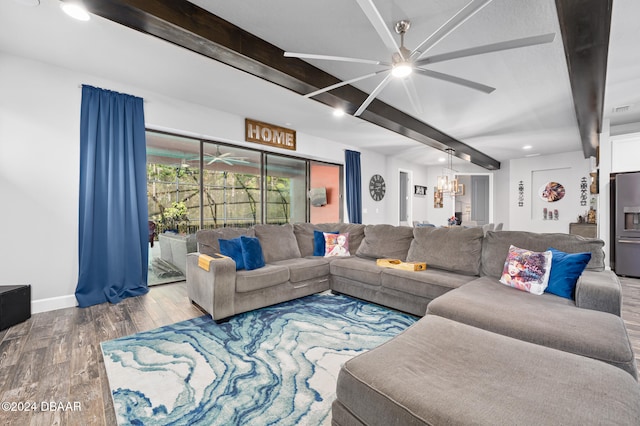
(378, 23)
(343, 83)
(333, 58)
(412, 93)
(456, 80)
(495, 47)
(373, 95)
(456, 20)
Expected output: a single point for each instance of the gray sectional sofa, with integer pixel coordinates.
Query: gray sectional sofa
(484, 353)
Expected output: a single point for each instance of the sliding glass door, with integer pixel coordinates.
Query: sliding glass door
(195, 184)
(285, 189)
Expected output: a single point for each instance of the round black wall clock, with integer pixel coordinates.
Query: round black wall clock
(377, 187)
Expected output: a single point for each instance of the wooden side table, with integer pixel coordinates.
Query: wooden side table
(587, 230)
(15, 305)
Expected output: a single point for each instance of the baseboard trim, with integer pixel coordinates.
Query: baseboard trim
(53, 303)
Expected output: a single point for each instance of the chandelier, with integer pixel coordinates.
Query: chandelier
(447, 183)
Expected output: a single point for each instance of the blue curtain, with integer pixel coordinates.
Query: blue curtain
(354, 186)
(113, 250)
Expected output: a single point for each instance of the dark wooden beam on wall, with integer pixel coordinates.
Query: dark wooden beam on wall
(189, 26)
(585, 27)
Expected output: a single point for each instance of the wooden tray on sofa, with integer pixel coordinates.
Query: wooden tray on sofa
(398, 264)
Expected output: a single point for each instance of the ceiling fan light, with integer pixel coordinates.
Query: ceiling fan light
(75, 10)
(402, 70)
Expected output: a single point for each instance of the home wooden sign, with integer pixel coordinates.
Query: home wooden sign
(268, 134)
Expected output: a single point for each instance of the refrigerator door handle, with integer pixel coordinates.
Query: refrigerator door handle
(629, 241)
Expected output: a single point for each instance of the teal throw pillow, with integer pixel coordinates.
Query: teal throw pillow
(566, 268)
(252, 253)
(233, 249)
(319, 242)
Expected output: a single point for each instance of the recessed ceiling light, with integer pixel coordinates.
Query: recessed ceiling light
(441, 159)
(338, 112)
(75, 10)
(527, 147)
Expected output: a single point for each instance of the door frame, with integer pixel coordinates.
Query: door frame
(409, 200)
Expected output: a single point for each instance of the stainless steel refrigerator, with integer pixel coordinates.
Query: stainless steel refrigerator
(627, 218)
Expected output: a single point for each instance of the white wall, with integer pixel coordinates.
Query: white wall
(39, 168)
(567, 169)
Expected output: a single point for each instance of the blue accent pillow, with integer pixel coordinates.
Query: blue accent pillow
(233, 249)
(566, 268)
(319, 243)
(252, 253)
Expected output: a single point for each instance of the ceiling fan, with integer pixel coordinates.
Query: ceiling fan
(404, 62)
(225, 158)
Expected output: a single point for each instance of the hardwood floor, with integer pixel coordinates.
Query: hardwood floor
(55, 357)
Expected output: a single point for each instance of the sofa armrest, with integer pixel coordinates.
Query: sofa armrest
(600, 291)
(212, 290)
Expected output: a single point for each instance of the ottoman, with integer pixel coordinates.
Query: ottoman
(441, 372)
(547, 320)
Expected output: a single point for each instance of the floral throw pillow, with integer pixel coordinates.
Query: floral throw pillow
(336, 244)
(527, 270)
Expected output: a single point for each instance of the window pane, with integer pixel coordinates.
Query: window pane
(231, 186)
(285, 189)
(173, 194)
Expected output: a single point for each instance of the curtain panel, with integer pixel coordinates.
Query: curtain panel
(113, 217)
(353, 186)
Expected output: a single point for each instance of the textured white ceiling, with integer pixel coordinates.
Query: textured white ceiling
(531, 105)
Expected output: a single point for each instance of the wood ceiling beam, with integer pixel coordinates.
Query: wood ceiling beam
(585, 27)
(189, 26)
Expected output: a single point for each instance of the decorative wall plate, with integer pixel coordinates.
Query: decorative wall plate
(552, 191)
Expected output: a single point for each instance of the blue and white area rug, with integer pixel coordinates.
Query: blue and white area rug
(273, 366)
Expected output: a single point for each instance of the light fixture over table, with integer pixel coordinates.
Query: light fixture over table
(447, 183)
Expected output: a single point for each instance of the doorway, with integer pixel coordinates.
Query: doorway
(474, 204)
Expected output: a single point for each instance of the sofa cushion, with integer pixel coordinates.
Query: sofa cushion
(429, 284)
(304, 233)
(252, 256)
(527, 270)
(439, 372)
(357, 269)
(496, 245)
(278, 242)
(207, 239)
(385, 241)
(232, 248)
(546, 320)
(566, 268)
(305, 269)
(267, 276)
(453, 249)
